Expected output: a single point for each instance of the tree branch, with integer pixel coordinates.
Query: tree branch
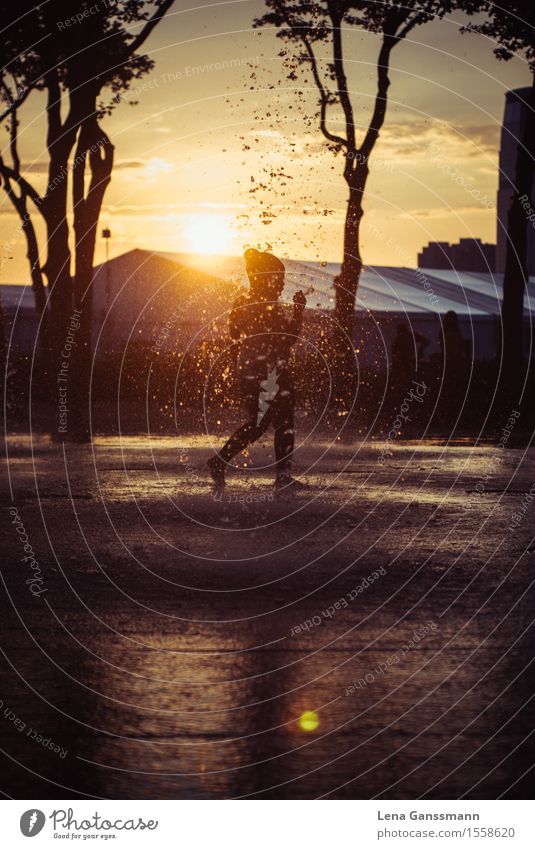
(78, 172)
(149, 26)
(324, 96)
(93, 145)
(8, 175)
(418, 19)
(379, 111)
(341, 79)
(26, 188)
(391, 37)
(13, 138)
(53, 107)
(32, 253)
(15, 103)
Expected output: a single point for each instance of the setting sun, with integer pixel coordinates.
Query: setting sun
(208, 234)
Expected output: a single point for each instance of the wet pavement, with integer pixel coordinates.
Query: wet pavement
(369, 636)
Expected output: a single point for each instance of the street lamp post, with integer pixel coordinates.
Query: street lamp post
(106, 235)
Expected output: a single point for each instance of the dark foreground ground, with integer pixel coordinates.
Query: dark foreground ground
(167, 657)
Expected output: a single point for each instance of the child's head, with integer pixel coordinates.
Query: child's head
(265, 273)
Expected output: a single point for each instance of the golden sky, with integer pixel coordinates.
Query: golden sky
(217, 118)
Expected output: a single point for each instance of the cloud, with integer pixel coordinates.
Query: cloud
(209, 204)
(129, 164)
(441, 212)
(141, 209)
(42, 167)
(402, 142)
(484, 136)
(150, 169)
(164, 208)
(406, 140)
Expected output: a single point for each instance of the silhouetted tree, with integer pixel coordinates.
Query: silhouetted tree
(306, 26)
(74, 53)
(513, 27)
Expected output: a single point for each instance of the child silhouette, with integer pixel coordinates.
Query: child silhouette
(265, 337)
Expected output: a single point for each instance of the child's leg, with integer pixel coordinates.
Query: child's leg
(283, 419)
(240, 439)
(248, 432)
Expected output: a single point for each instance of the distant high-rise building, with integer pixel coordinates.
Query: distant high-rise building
(435, 255)
(512, 130)
(466, 255)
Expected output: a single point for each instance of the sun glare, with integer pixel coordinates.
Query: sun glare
(208, 234)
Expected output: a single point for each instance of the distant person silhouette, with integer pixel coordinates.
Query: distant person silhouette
(265, 336)
(455, 369)
(407, 350)
(454, 348)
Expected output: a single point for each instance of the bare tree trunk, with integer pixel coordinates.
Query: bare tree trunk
(36, 274)
(58, 271)
(42, 368)
(516, 260)
(58, 262)
(94, 147)
(61, 138)
(347, 282)
(346, 285)
(356, 172)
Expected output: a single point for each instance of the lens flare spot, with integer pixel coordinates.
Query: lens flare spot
(309, 721)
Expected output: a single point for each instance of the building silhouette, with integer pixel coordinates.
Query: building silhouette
(466, 255)
(512, 130)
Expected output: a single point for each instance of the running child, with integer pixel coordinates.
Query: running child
(265, 337)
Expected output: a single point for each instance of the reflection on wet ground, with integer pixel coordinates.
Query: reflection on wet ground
(180, 639)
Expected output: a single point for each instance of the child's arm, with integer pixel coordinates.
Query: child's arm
(234, 323)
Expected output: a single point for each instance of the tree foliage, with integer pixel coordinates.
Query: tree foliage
(512, 25)
(81, 56)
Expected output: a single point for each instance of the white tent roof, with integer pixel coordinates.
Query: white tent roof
(382, 288)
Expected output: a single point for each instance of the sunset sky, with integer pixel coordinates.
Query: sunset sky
(189, 153)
